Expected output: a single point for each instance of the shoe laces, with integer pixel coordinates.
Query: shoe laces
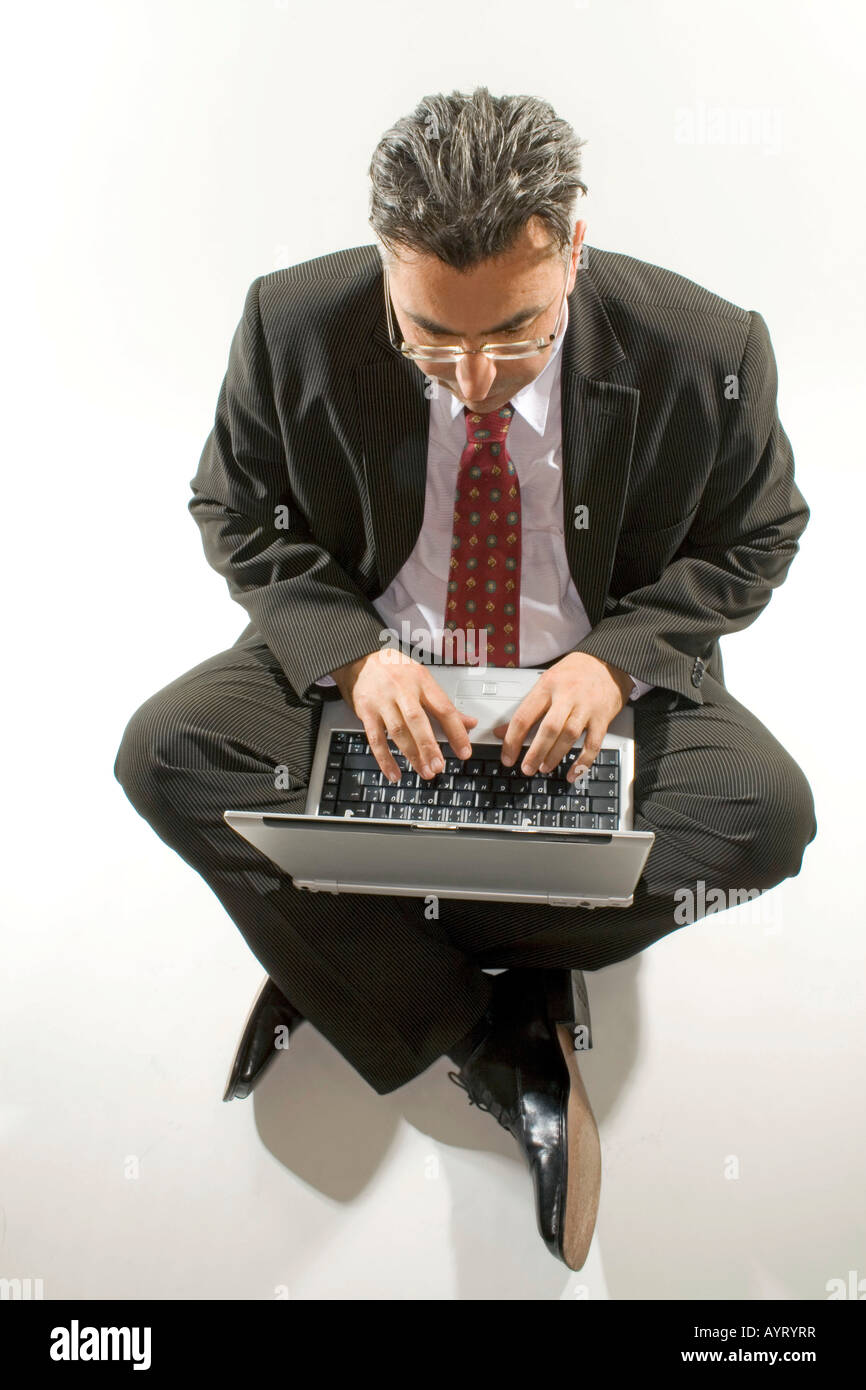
(490, 1106)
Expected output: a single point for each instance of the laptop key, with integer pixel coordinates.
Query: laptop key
(350, 808)
(608, 822)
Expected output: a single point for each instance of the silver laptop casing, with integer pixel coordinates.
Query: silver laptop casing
(532, 864)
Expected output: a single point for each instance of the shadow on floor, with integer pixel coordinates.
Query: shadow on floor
(333, 1132)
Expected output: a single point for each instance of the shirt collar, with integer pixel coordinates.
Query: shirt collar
(533, 400)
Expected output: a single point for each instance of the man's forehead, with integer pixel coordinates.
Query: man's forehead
(430, 269)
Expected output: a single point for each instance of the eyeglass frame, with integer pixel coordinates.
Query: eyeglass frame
(414, 351)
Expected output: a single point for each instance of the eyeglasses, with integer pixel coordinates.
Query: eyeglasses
(419, 351)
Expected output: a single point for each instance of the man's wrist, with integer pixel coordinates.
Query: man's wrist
(622, 678)
(344, 677)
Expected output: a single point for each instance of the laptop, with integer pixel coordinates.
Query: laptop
(477, 831)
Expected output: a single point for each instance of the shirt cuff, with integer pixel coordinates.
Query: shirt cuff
(639, 688)
(325, 680)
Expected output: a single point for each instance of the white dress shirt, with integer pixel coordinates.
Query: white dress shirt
(552, 618)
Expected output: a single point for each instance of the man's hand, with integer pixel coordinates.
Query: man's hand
(579, 692)
(391, 694)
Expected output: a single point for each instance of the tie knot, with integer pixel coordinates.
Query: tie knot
(492, 427)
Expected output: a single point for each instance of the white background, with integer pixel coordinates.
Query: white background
(158, 158)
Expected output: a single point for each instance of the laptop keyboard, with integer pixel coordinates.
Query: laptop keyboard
(477, 791)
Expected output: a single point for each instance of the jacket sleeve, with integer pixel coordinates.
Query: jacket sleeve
(738, 549)
(311, 614)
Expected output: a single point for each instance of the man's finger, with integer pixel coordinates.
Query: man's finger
(454, 724)
(558, 731)
(428, 758)
(595, 731)
(374, 728)
(399, 732)
(531, 708)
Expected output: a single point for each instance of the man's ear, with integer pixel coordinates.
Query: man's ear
(577, 246)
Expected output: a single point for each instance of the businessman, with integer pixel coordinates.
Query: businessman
(608, 431)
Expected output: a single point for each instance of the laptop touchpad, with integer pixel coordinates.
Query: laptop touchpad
(491, 701)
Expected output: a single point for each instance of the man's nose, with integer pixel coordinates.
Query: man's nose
(475, 376)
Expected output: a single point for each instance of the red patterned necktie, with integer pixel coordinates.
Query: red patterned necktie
(484, 574)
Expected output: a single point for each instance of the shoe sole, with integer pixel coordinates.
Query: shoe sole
(231, 1093)
(583, 1162)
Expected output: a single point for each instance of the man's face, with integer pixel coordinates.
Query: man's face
(509, 299)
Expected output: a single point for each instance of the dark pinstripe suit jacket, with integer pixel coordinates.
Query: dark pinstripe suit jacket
(694, 515)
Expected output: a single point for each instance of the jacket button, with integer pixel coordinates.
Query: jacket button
(697, 677)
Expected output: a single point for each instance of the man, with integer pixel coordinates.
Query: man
(626, 420)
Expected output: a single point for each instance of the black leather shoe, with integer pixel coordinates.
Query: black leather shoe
(524, 1072)
(256, 1049)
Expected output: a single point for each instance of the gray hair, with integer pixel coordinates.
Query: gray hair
(463, 174)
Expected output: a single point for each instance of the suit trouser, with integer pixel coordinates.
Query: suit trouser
(390, 987)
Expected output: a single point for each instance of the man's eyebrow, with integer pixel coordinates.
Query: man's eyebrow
(523, 316)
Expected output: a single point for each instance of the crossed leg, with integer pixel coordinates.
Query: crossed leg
(391, 987)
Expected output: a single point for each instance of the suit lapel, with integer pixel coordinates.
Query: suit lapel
(599, 418)
(394, 414)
